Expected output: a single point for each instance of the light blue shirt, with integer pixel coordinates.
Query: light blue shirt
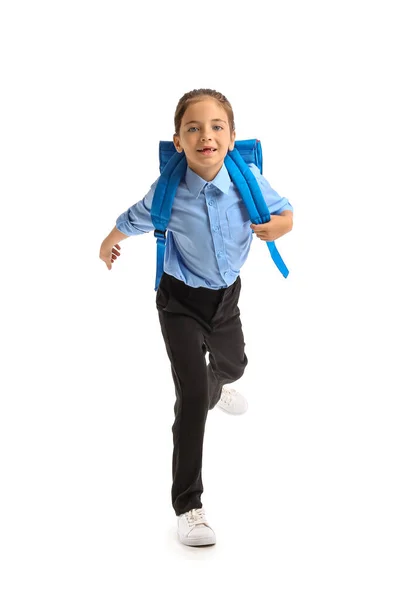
(209, 235)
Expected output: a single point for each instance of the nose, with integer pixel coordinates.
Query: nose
(205, 136)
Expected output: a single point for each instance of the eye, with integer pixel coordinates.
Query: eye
(218, 127)
(192, 128)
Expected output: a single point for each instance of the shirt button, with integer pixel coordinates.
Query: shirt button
(211, 203)
(226, 273)
(216, 228)
(219, 254)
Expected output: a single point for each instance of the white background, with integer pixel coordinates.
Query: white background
(309, 491)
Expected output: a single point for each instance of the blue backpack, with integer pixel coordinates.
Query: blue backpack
(173, 166)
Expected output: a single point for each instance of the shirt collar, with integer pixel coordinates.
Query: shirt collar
(195, 183)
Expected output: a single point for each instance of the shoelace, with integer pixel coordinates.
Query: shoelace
(196, 516)
(227, 396)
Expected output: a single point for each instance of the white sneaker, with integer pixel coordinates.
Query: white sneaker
(232, 402)
(193, 529)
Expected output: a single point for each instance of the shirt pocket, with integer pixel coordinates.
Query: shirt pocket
(238, 222)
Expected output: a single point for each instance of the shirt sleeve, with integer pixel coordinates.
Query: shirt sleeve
(276, 203)
(137, 219)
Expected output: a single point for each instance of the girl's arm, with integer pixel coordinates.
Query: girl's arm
(114, 237)
(109, 249)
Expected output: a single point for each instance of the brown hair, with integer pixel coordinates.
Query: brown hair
(196, 94)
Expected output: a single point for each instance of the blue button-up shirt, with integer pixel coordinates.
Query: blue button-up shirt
(209, 234)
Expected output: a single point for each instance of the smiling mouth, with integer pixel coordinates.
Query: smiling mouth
(208, 150)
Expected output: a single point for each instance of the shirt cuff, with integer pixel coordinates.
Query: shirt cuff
(124, 226)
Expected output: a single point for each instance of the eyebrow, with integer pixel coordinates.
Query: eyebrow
(189, 122)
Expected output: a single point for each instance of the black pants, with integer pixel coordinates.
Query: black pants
(194, 321)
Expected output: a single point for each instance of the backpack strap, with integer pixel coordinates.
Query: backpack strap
(162, 204)
(250, 192)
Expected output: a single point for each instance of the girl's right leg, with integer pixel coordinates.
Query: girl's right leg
(184, 340)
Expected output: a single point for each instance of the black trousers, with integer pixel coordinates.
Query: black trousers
(194, 321)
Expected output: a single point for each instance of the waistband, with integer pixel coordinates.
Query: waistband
(177, 283)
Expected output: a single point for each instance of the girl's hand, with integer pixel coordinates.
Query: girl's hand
(109, 254)
(277, 226)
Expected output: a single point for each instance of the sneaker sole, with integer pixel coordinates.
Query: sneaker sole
(197, 542)
(235, 414)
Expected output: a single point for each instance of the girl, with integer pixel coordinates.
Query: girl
(208, 240)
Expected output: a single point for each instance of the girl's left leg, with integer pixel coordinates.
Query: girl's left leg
(225, 344)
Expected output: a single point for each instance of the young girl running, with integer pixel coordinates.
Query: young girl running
(208, 240)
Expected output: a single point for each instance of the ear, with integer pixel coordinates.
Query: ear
(232, 141)
(177, 145)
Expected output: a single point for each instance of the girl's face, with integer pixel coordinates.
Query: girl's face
(205, 137)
